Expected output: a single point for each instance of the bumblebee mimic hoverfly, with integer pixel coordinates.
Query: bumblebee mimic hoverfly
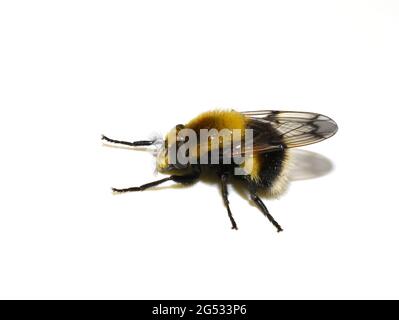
(259, 139)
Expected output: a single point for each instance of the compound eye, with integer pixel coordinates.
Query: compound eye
(179, 127)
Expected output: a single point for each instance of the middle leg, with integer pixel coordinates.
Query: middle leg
(223, 182)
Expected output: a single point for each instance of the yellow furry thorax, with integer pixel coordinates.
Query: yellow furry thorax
(226, 120)
(218, 119)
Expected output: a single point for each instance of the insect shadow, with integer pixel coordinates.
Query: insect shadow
(115, 146)
(308, 165)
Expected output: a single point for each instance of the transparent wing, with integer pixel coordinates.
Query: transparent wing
(274, 130)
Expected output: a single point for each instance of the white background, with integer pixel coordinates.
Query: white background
(72, 70)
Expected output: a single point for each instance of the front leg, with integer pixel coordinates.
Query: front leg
(127, 143)
(184, 179)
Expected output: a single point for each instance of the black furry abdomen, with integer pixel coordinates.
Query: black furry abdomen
(271, 168)
(271, 175)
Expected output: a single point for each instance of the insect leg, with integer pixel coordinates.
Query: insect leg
(132, 144)
(264, 210)
(143, 187)
(188, 178)
(223, 181)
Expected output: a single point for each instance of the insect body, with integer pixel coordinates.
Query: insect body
(259, 139)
